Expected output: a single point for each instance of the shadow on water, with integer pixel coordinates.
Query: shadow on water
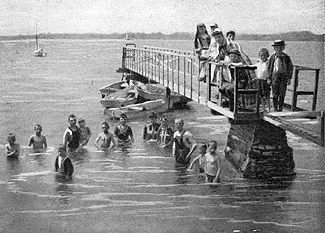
(63, 188)
(182, 176)
(14, 166)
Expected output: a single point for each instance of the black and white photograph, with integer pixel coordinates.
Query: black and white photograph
(163, 116)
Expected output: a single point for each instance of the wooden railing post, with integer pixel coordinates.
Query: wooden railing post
(123, 57)
(235, 104)
(315, 90)
(322, 130)
(295, 85)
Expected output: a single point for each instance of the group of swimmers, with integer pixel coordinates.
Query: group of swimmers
(180, 141)
(275, 72)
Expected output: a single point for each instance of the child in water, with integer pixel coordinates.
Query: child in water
(123, 132)
(262, 82)
(38, 141)
(106, 137)
(63, 164)
(212, 164)
(165, 134)
(199, 161)
(12, 148)
(85, 132)
(151, 128)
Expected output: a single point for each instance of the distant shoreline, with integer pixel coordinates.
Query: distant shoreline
(288, 36)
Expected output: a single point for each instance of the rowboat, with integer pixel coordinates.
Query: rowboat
(120, 98)
(106, 90)
(158, 91)
(138, 110)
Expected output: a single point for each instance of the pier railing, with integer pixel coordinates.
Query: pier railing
(179, 71)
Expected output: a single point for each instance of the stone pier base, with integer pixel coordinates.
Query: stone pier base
(259, 150)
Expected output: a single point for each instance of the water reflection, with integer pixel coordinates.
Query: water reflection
(182, 175)
(63, 188)
(13, 166)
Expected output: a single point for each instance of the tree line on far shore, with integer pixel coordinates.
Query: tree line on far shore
(288, 36)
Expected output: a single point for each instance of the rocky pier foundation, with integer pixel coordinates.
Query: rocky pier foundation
(259, 150)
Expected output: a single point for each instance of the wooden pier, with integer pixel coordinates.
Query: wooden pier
(178, 70)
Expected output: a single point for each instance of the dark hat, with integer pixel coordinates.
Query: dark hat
(279, 43)
(234, 51)
(152, 115)
(213, 25)
(216, 31)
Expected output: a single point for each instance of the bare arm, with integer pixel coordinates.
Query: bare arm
(30, 142)
(218, 163)
(194, 161)
(97, 140)
(113, 144)
(66, 139)
(45, 142)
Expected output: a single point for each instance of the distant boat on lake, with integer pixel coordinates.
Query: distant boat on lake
(38, 52)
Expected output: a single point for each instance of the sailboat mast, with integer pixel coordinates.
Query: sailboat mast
(36, 42)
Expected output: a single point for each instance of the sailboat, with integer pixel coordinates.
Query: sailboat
(38, 52)
(127, 36)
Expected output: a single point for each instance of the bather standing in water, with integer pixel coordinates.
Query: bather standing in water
(38, 141)
(184, 143)
(71, 136)
(123, 132)
(165, 134)
(106, 138)
(63, 164)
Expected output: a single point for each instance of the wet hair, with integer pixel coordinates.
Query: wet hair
(61, 148)
(71, 116)
(213, 142)
(179, 119)
(106, 124)
(123, 115)
(81, 120)
(264, 50)
(230, 33)
(39, 126)
(11, 137)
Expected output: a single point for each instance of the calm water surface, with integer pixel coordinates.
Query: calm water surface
(136, 189)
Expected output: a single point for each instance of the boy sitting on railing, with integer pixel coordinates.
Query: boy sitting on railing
(227, 88)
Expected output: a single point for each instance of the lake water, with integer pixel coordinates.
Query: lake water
(139, 189)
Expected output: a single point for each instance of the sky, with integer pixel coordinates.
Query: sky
(166, 16)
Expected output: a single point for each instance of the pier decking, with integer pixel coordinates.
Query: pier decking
(179, 70)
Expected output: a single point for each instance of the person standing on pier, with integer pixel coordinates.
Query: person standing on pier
(280, 71)
(201, 45)
(184, 143)
(202, 40)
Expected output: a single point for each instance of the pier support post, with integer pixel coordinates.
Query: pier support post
(259, 150)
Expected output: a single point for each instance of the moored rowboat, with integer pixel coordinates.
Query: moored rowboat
(138, 110)
(120, 98)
